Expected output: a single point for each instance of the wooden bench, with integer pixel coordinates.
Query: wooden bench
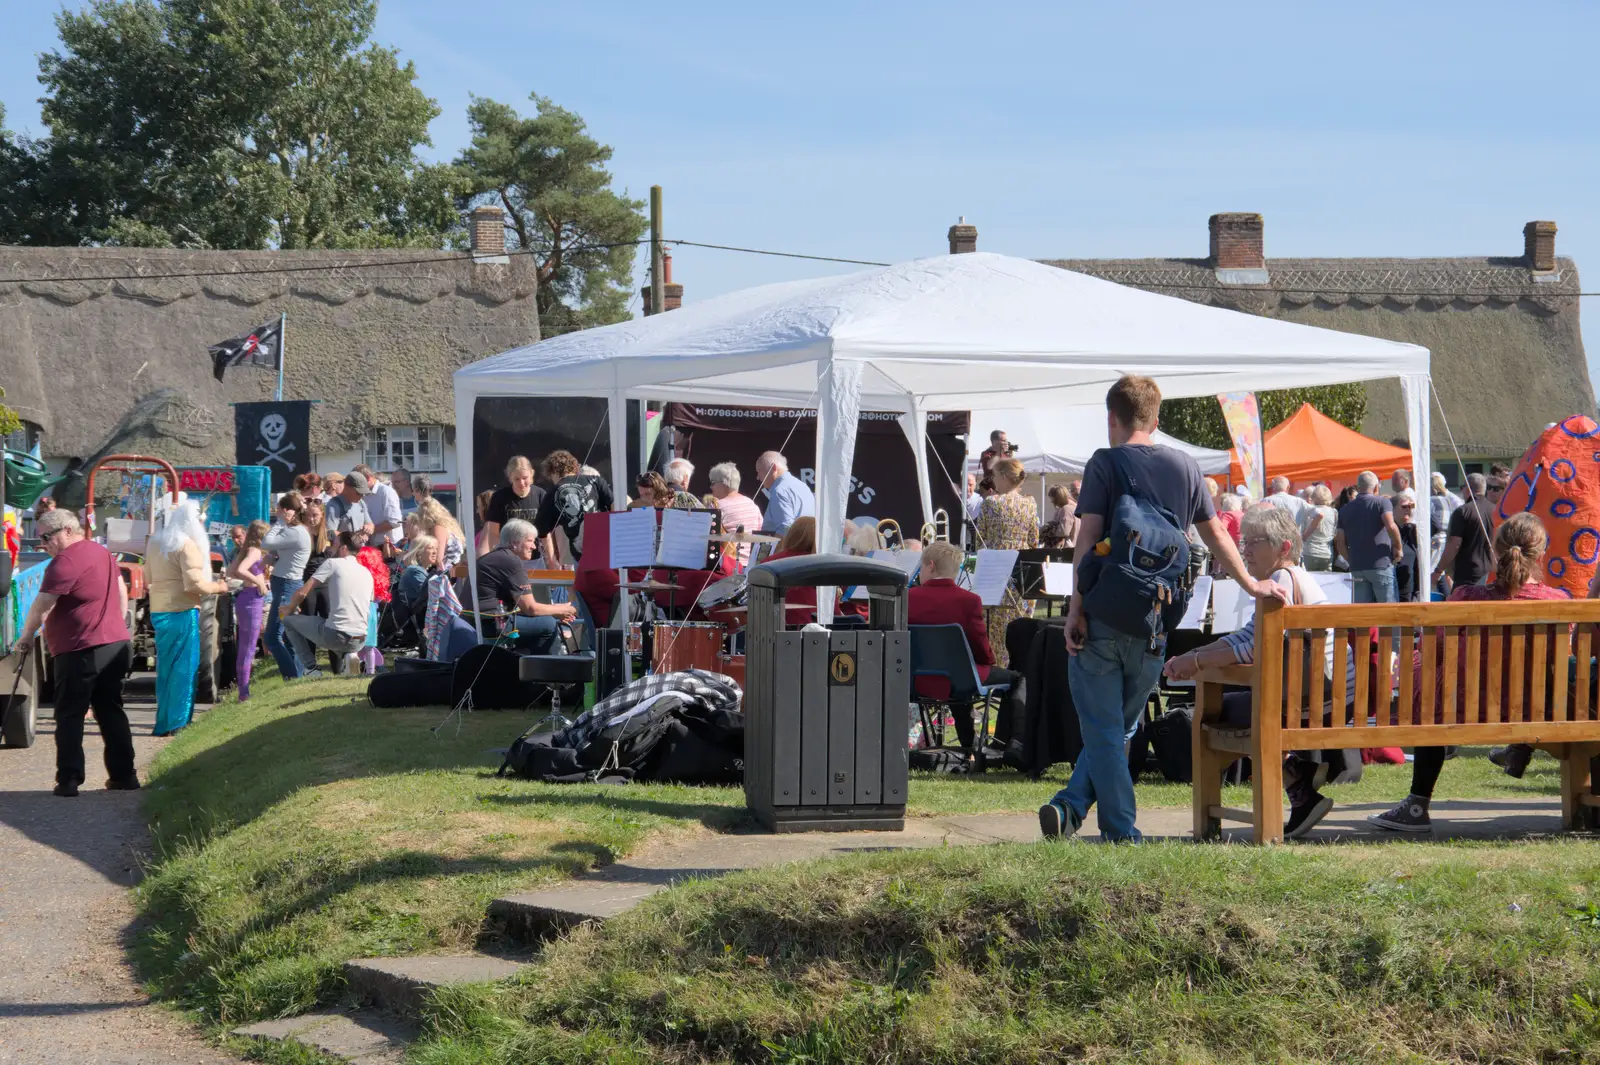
(1469, 673)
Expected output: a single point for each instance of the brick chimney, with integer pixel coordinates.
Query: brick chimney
(489, 234)
(963, 237)
(671, 293)
(1237, 242)
(1539, 246)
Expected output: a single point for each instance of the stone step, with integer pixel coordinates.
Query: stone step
(401, 985)
(537, 916)
(361, 1037)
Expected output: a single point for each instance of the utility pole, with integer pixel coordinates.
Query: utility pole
(657, 282)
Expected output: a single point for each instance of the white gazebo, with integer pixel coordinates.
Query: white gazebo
(972, 332)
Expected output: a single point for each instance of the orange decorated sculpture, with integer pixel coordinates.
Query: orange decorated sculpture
(1558, 479)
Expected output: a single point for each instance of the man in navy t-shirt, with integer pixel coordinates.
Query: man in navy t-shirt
(1369, 540)
(1112, 673)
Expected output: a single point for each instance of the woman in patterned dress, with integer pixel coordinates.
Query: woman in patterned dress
(1007, 521)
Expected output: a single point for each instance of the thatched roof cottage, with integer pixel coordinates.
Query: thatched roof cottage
(1508, 357)
(374, 336)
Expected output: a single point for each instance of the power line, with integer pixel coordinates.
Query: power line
(780, 254)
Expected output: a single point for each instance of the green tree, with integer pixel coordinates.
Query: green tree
(1198, 420)
(237, 124)
(549, 174)
(9, 422)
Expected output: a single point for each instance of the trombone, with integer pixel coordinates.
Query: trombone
(938, 528)
(889, 526)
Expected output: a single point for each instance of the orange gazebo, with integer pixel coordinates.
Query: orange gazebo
(1310, 446)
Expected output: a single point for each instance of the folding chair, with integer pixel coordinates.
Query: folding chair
(942, 651)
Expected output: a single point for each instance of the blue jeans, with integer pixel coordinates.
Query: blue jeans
(538, 634)
(1111, 680)
(1373, 585)
(283, 588)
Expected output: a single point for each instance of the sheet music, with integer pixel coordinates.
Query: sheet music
(1058, 578)
(908, 561)
(633, 539)
(1231, 607)
(1336, 586)
(993, 574)
(683, 538)
(1195, 616)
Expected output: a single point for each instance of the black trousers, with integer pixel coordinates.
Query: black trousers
(92, 678)
(1007, 719)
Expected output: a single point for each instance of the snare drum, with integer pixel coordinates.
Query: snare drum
(686, 645)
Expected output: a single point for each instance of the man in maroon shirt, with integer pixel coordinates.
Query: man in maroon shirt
(81, 605)
(938, 600)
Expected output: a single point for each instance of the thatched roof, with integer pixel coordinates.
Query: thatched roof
(374, 335)
(1508, 358)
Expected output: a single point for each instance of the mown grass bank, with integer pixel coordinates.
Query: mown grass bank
(306, 828)
(1071, 952)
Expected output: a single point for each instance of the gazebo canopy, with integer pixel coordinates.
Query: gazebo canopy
(960, 332)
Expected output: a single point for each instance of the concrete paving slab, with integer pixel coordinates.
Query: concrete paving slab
(362, 1038)
(401, 985)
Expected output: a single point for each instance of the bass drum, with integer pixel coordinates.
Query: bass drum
(681, 645)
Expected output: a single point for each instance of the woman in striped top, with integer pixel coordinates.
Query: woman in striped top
(1270, 544)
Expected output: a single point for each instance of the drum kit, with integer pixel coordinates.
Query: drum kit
(673, 645)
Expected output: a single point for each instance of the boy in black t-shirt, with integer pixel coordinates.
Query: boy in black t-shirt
(1111, 673)
(574, 496)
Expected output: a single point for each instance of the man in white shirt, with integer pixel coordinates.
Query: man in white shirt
(383, 506)
(1279, 497)
(349, 595)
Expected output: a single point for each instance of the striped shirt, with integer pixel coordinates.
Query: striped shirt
(1305, 591)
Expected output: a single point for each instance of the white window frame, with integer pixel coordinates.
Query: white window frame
(388, 446)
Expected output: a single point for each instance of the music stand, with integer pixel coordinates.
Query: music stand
(1029, 574)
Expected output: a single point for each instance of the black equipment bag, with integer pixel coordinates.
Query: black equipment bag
(493, 676)
(1049, 732)
(429, 686)
(1171, 741)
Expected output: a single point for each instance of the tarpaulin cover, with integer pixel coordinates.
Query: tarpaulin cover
(1558, 479)
(1310, 446)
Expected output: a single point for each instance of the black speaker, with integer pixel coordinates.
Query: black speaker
(611, 665)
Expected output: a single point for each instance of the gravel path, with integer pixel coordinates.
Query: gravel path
(66, 993)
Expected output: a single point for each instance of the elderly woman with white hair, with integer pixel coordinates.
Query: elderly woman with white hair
(1271, 549)
(177, 569)
(1441, 504)
(739, 511)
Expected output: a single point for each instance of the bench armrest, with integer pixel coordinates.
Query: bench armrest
(1244, 676)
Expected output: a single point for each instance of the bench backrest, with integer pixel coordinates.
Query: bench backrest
(1496, 662)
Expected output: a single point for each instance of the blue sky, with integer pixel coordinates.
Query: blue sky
(1059, 129)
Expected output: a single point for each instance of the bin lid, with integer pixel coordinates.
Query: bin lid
(812, 571)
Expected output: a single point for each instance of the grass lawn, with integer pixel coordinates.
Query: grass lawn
(1074, 952)
(306, 828)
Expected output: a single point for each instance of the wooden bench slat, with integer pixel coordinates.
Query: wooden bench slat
(1427, 697)
(1497, 652)
(1517, 650)
(1474, 663)
(1319, 659)
(1341, 676)
(1580, 705)
(1383, 698)
(1558, 683)
(1488, 612)
(1363, 651)
(1530, 732)
(1408, 683)
(1540, 667)
(1294, 686)
(1451, 708)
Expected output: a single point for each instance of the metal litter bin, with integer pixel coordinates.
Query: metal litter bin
(826, 712)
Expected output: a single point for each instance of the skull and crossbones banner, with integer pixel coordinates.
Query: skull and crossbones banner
(274, 435)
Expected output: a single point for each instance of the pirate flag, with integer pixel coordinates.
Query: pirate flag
(275, 435)
(262, 346)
